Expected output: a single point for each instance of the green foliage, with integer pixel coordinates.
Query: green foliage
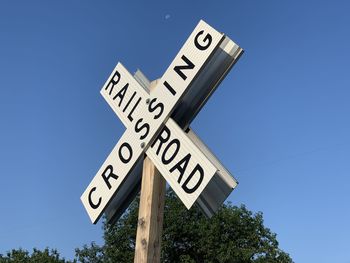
(120, 239)
(37, 256)
(87, 254)
(234, 234)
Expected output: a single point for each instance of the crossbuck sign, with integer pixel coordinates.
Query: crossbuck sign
(157, 124)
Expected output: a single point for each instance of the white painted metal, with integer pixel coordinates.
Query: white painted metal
(157, 153)
(125, 194)
(133, 92)
(197, 57)
(98, 189)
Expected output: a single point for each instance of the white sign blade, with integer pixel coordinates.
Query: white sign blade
(183, 70)
(111, 175)
(182, 164)
(123, 93)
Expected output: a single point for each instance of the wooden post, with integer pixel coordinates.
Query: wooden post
(150, 222)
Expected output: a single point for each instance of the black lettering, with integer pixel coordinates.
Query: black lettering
(181, 166)
(153, 108)
(92, 204)
(206, 41)
(121, 156)
(127, 105)
(133, 109)
(121, 93)
(143, 126)
(201, 174)
(113, 82)
(108, 173)
(175, 142)
(170, 88)
(178, 69)
(162, 139)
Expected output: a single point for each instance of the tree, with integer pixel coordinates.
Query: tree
(87, 254)
(37, 256)
(234, 234)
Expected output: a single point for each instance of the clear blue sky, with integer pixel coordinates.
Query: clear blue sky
(280, 121)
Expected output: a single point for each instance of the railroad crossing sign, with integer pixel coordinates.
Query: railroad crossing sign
(157, 124)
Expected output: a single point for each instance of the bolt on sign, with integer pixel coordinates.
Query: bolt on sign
(157, 124)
